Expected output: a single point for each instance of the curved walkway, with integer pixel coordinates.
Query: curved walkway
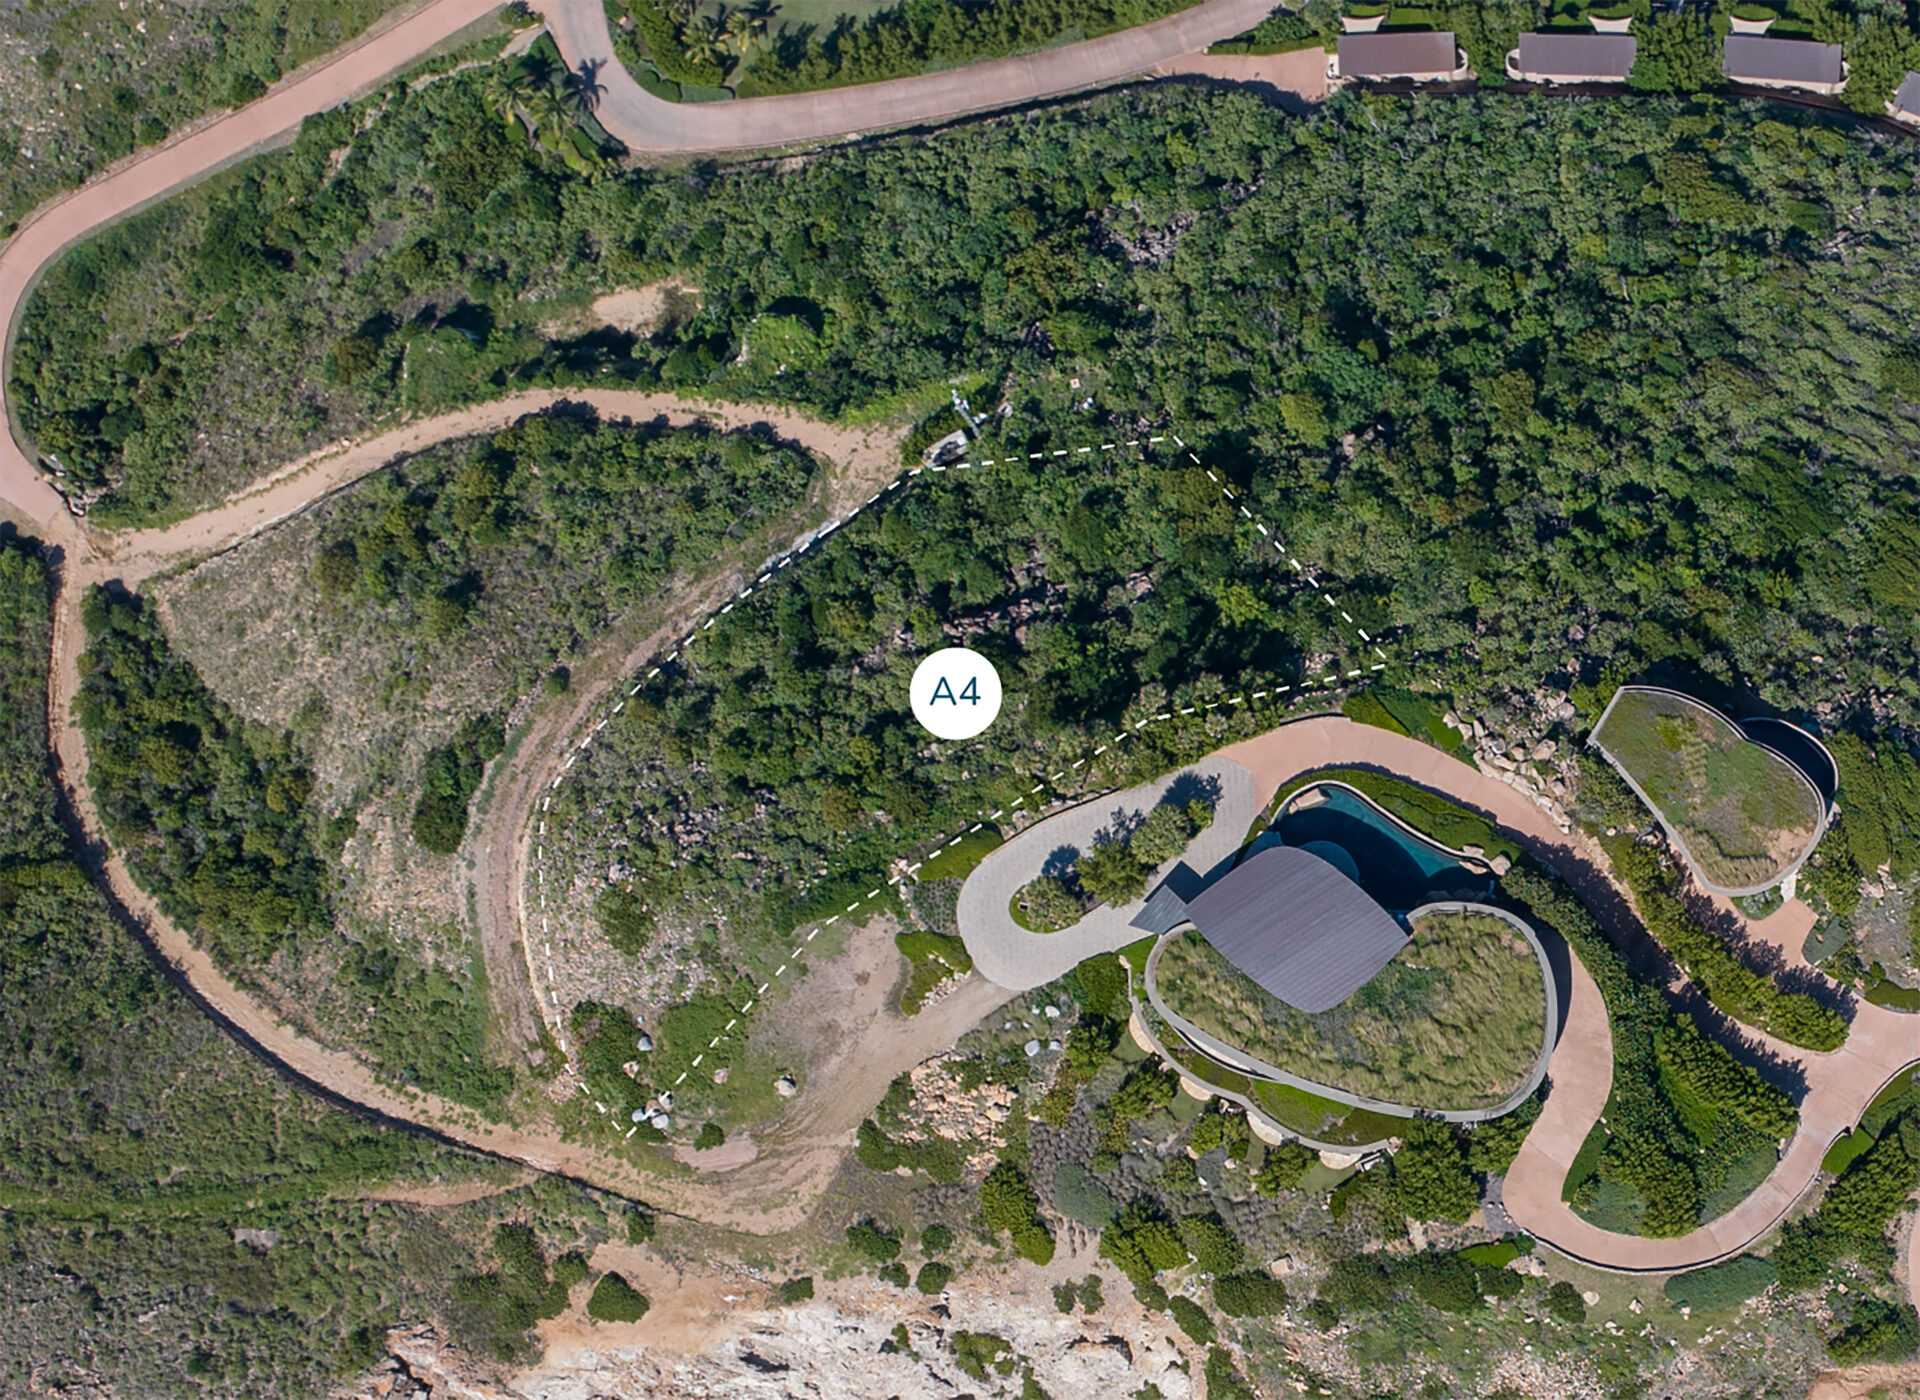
(1019, 959)
(650, 125)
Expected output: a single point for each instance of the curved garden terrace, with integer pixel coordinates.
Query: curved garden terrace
(1459, 1024)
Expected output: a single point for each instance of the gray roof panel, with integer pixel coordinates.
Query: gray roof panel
(1578, 55)
(1396, 55)
(1758, 58)
(1908, 98)
(1297, 927)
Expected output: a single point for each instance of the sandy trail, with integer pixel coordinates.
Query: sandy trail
(384, 49)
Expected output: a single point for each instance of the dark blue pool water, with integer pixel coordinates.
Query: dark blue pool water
(1399, 870)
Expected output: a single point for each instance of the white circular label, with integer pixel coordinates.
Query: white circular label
(956, 693)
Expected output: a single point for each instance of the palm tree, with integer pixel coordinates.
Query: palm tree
(582, 89)
(745, 27)
(704, 40)
(506, 90)
(544, 108)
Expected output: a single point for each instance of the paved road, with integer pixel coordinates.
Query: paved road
(651, 126)
(1580, 1073)
(1013, 957)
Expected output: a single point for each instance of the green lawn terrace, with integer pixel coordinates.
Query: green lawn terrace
(1742, 814)
(1458, 1023)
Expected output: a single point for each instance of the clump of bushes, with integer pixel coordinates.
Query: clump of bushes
(1008, 1203)
(450, 777)
(616, 1300)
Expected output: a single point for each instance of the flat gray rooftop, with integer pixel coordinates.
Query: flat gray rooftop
(1578, 55)
(1908, 98)
(1396, 55)
(1298, 927)
(1757, 58)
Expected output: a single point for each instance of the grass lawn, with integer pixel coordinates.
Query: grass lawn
(1743, 811)
(1454, 1021)
(956, 859)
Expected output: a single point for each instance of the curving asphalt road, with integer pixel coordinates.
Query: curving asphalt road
(653, 126)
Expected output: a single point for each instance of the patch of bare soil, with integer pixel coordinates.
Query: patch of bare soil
(648, 310)
(734, 1153)
(1862, 1382)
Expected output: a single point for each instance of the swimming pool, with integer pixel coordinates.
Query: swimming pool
(1399, 870)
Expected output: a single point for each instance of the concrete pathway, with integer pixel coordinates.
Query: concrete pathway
(652, 126)
(1009, 955)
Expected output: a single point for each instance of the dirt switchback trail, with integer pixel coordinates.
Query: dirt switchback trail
(382, 51)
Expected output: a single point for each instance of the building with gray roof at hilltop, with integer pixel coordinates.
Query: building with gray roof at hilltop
(1572, 57)
(1758, 60)
(1422, 56)
(1290, 922)
(1905, 106)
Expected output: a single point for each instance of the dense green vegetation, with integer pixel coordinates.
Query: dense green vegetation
(449, 779)
(1680, 1145)
(214, 818)
(1454, 1021)
(703, 50)
(207, 810)
(135, 1139)
(105, 81)
(1753, 997)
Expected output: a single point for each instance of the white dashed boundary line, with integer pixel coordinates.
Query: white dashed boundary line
(550, 1012)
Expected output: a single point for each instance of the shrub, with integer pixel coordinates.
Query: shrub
(448, 780)
(641, 1224)
(711, 1135)
(1249, 1295)
(1869, 1193)
(570, 1269)
(625, 919)
(1284, 1167)
(1192, 1319)
(1446, 1282)
(872, 1243)
(1431, 1179)
(1078, 1195)
(1497, 1282)
(1880, 1331)
(1721, 1286)
(1092, 1296)
(1007, 1202)
(796, 1290)
(1565, 1303)
(936, 1239)
(1211, 1243)
(1224, 1381)
(894, 1273)
(1492, 1145)
(933, 1277)
(1150, 1295)
(616, 1300)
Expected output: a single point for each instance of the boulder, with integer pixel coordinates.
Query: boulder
(785, 1087)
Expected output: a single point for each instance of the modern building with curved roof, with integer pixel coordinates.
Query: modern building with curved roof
(1298, 927)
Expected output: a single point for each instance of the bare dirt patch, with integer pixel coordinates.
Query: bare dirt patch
(731, 1155)
(649, 310)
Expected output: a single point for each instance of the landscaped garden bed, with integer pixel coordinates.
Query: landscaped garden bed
(1455, 1021)
(1743, 814)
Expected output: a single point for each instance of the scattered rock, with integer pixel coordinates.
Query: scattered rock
(1501, 864)
(662, 1121)
(645, 1043)
(1033, 1048)
(720, 1075)
(1052, 1012)
(1590, 1298)
(631, 1069)
(785, 1087)
(1633, 1306)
